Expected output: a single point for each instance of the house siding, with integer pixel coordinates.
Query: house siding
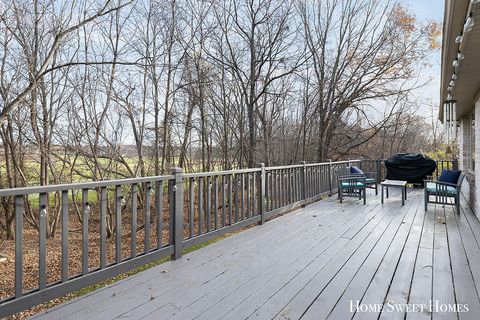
(476, 200)
(471, 194)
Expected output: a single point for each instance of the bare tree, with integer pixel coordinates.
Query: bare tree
(362, 52)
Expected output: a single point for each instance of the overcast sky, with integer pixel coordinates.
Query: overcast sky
(430, 10)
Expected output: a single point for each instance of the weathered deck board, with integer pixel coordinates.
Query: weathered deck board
(421, 286)
(232, 292)
(442, 288)
(465, 290)
(354, 275)
(352, 252)
(310, 264)
(253, 294)
(278, 255)
(201, 280)
(395, 272)
(373, 278)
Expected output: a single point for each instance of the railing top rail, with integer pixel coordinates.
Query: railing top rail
(284, 167)
(80, 185)
(333, 162)
(310, 164)
(219, 173)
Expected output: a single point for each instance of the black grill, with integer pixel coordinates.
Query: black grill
(410, 167)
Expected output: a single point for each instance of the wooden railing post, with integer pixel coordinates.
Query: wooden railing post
(261, 191)
(176, 213)
(303, 183)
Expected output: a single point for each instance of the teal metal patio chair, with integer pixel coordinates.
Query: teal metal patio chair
(352, 186)
(441, 192)
(371, 181)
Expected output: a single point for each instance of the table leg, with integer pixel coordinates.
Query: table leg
(405, 192)
(382, 194)
(403, 196)
(387, 191)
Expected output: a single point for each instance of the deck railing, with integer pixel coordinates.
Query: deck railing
(147, 219)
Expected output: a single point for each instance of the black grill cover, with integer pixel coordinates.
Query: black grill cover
(410, 167)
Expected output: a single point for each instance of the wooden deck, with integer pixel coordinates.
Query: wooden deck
(313, 263)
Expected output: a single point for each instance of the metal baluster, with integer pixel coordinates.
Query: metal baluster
(209, 203)
(272, 190)
(254, 193)
(85, 217)
(301, 184)
(273, 186)
(305, 183)
(118, 223)
(42, 270)
(147, 213)
(215, 203)
(330, 180)
(248, 197)
(261, 193)
(224, 208)
(103, 226)
(242, 195)
(236, 197)
(267, 191)
(64, 235)
(230, 205)
(282, 189)
(200, 204)
(191, 207)
(325, 179)
(133, 223)
(290, 183)
(293, 177)
(296, 185)
(19, 208)
(277, 189)
(310, 182)
(159, 210)
(287, 186)
(294, 181)
(314, 182)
